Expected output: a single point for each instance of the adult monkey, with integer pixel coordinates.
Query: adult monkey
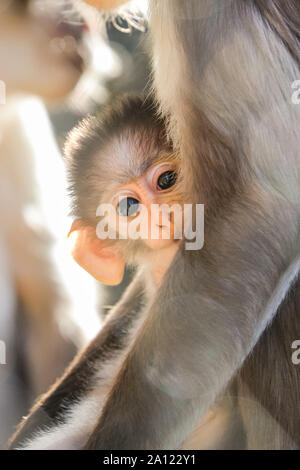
(233, 63)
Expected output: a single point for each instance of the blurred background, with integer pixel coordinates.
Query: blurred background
(56, 65)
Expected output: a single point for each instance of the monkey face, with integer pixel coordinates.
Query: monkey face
(144, 218)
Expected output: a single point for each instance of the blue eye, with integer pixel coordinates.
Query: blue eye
(128, 206)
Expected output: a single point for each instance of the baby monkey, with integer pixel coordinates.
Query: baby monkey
(128, 204)
(125, 184)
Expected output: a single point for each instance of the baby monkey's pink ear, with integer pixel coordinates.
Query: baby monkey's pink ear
(94, 255)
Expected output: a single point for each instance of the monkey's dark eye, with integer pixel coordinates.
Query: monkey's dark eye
(128, 206)
(167, 180)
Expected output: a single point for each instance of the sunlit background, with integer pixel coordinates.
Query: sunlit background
(57, 63)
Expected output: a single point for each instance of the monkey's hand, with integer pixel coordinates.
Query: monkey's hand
(203, 325)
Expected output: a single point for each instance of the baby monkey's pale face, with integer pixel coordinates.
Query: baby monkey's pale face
(148, 206)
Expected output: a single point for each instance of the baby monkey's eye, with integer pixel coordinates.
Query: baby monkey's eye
(167, 180)
(128, 206)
